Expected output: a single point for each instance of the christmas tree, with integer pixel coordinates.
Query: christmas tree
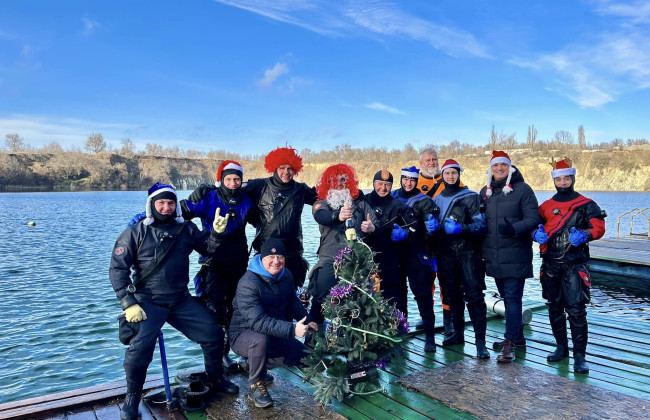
(361, 330)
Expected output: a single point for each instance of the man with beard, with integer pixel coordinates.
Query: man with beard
(511, 210)
(415, 260)
(279, 201)
(216, 282)
(430, 183)
(393, 218)
(570, 222)
(340, 206)
(460, 268)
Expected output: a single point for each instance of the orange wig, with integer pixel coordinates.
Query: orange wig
(328, 180)
(283, 156)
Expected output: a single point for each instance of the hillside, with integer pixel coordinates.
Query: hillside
(618, 170)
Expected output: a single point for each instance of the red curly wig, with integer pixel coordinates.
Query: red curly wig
(283, 156)
(328, 180)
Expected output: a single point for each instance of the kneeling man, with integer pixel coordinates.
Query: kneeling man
(262, 327)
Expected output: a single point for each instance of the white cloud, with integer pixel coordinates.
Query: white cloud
(38, 130)
(378, 106)
(363, 17)
(273, 74)
(637, 11)
(90, 26)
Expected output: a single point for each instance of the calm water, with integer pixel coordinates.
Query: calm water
(59, 312)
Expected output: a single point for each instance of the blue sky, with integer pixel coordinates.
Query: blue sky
(251, 75)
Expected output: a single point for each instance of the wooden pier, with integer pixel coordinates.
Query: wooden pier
(618, 354)
(622, 257)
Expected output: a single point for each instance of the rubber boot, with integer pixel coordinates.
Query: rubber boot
(478, 316)
(481, 350)
(557, 320)
(507, 354)
(458, 321)
(229, 364)
(447, 323)
(130, 406)
(580, 364)
(430, 343)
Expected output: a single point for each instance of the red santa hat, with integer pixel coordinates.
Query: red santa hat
(450, 163)
(229, 167)
(499, 156)
(283, 156)
(562, 167)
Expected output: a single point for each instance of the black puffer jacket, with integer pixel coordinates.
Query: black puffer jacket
(510, 256)
(265, 304)
(269, 194)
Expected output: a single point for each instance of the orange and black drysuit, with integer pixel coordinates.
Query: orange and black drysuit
(564, 276)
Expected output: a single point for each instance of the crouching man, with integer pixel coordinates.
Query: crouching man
(262, 327)
(158, 250)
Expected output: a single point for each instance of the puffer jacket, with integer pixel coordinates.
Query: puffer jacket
(510, 256)
(265, 304)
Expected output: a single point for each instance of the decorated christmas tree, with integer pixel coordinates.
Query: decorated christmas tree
(361, 330)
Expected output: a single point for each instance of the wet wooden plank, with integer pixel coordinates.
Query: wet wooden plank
(81, 413)
(487, 390)
(110, 411)
(68, 399)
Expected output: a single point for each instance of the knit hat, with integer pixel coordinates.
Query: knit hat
(159, 191)
(450, 163)
(272, 246)
(383, 176)
(411, 172)
(283, 156)
(499, 156)
(562, 167)
(229, 167)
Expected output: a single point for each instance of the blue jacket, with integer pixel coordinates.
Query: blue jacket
(265, 304)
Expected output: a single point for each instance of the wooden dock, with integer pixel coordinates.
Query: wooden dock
(618, 354)
(622, 257)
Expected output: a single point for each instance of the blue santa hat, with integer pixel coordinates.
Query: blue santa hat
(155, 191)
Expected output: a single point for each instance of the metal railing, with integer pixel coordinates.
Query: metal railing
(635, 213)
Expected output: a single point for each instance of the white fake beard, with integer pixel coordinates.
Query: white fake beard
(431, 173)
(337, 198)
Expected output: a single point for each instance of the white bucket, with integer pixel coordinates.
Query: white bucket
(495, 304)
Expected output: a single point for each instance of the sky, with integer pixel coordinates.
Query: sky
(250, 75)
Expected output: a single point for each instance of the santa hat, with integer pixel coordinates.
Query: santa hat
(411, 172)
(450, 163)
(562, 167)
(154, 194)
(283, 156)
(499, 156)
(229, 167)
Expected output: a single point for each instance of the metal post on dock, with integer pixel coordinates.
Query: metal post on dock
(163, 360)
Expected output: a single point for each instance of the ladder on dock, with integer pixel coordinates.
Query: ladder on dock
(634, 213)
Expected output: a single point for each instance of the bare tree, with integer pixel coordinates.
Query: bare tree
(494, 139)
(95, 143)
(14, 142)
(564, 137)
(154, 150)
(52, 147)
(582, 142)
(532, 136)
(128, 148)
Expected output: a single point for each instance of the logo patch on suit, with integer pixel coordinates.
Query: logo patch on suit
(119, 250)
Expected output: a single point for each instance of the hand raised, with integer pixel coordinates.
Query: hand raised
(367, 226)
(219, 224)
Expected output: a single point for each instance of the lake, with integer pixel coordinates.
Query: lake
(59, 311)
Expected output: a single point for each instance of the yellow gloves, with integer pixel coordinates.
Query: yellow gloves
(219, 224)
(135, 313)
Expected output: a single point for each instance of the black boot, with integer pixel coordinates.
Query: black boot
(561, 352)
(447, 323)
(457, 338)
(430, 344)
(481, 350)
(229, 364)
(557, 320)
(458, 321)
(507, 354)
(130, 406)
(222, 384)
(420, 325)
(580, 364)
